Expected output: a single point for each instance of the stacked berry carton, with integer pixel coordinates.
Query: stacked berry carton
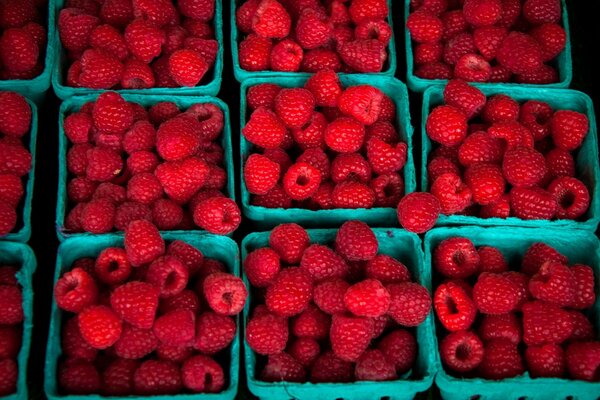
(579, 247)
(269, 217)
(75, 103)
(21, 255)
(63, 91)
(586, 160)
(242, 74)
(398, 244)
(563, 61)
(220, 248)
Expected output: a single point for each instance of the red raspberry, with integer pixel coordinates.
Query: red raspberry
(321, 263)
(410, 303)
(582, 327)
(501, 360)
(289, 241)
(143, 243)
(454, 307)
(185, 300)
(99, 326)
(316, 158)
(491, 260)
(458, 46)
(379, 30)
(260, 174)
(584, 296)
(202, 10)
(10, 341)
(425, 27)
(355, 241)
(74, 28)
(276, 198)
(480, 147)
(329, 368)
(144, 40)
(144, 188)
(8, 218)
(418, 212)
(446, 125)
(345, 135)
(350, 336)
(543, 76)
(569, 129)
(301, 181)
(116, 12)
(387, 269)
(15, 116)
(109, 39)
(560, 163)
(320, 59)
(255, 52)
(551, 38)
(495, 294)
(290, 292)
(329, 295)
(532, 203)
(313, 29)
(554, 283)
(388, 189)
(286, 56)
(454, 23)
(386, 158)
(571, 195)
(363, 55)
(11, 311)
(322, 199)
(473, 68)
(182, 179)
(283, 367)
(425, 53)
(583, 359)
(363, 102)
(187, 67)
(136, 303)
(178, 138)
(501, 326)
(218, 215)
(545, 323)
(103, 164)
(142, 161)
(213, 332)
(456, 258)
(175, 328)
(137, 75)
(482, 12)
(305, 351)
(488, 39)
(462, 351)
(129, 212)
(326, 88)
(99, 70)
(8, 275)
(203, 375)
(271, 20)
(465, 97)
(140, 137)
(135, 343)
(198, 29)
(294, 106)
(542, 11)
(226, 294)
(454, 196)
(74, 377)
(156, 377)
(368, 10)
(500, 108)
(537, 254)
(535, 116)
(77, 127)
(545, 361)
(118, 377)
(400, 348)
(168, 274)
(176, 354)
(159, 113)
(261, 266)
(75, 291)
(112, 266)
(367, 299)
(523, 167)
(311, 323)
(373, 366)
(17, 13)
(520, 53)
(11, 189)
(439, 166)
(264, 129)
(266, 333)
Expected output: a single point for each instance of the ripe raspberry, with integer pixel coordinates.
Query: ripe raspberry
(367, 299)
(112, 266)
(456, 258)
(571, 195)
(294, 106)
(182, 179)
(350, 336)
(367, 10)
(545, 323)
(454, 307)
(311, 323)
(325, 87)
(426, 53)
(488, 39)
(144, 40)
(116, 12)
(439, 166)
(454, 196)
(329, 368)
(75, 377)
(276, 198)
(99, 70)
(329, 295)
(118, 377)
(446, 125)
(569, 129)
(178, 138)
(583, 359)
(386, 158)
(424, 27)
(560, 163)
(320, 59)
(480, 147)
(520, 53)
(532, 203)
(545, 361)
(500, 108)
(168, 274)
(543, 76)
(214, 332)
(399, 348)
(469, 99)
(218, 215)
(501, 360)
(143, 243)
(364, 55)
(482, 12)
(103, 164)
(137, 75)
(109, 39)
(554, 283)
(542, 11)
(355, 241)
(462, 351)
(156, 377)
(321, 263)
(129, 212)
(289, 241)
(286, 56)
(585, 296)
(473, 68)
(387, 269)
(388, 189)
(373, 366)
(271, 20)
(536, 116)
(418, 212)
(523, 167)
(17, 13)
(99, 326)
(226, 294)
(74, 28)
(495, 294)
(304, 350)
(313, 29)
(283, 367)
(491, 259)
(255, 52)
(202, 10)
(537, 254)
(10, 341)
(410, 303)
(345, 135)
(75, 291)
(582, 327)
(175, 328)
(136, 303)
(551, 38)
(290, 292)
(318, 159)
(176, 354)
(379, 30)
(261, 266)
(166, 214)
(264, 129)
(187, 67)
(301, 181)
(457, 47)
(501, 326)
(363, 102)
(135, 343)
(15, 116)
(267, 333)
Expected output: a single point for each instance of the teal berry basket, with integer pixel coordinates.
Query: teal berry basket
(22, 256)
(213, 246)
(36, 88)
(183, 102)
(586, 159)
(268, 217)
(580, 247)
(563, 62)
(400, 244)
(24, 210)
(209, 86)
(241, 74)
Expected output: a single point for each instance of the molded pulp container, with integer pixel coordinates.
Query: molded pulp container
(580, 247)
(378, 216)
(213, 246)
(399, 244)
(74, 104)
(586, 158)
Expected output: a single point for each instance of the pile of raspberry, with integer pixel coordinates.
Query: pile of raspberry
(23, 38)
(147, 319)
(139, 44)
(487, 40)
(15, 159)
(161, 164)
(498, 158)
(312, 35)
(338, 313)
(11, 319)
(346, 150)
(502, 322)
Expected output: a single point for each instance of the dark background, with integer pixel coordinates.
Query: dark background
(585, 40)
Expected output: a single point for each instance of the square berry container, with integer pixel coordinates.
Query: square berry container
(399, 244)
(580, 247)
(36, 88)
(209, 86)
(586, 159)
(269, 217)
(389, 68)
(183, 102)
(563, 61)
(22, 231)
(213, 246)
(21, 255)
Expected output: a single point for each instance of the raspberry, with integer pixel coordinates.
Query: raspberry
(136, 303)
(286, 56)
(118, 377)
(532, 203)
(520, 53)
(454, 196)
(456, 258)
(166, 214)
(305, 351)
(317, 159)
(320, 59)
(582, 327)
(488, 39)
(168, 274)
(434, 71)
(545, 323)
(523, 167)
(74, 291)
(363, 102)
(116, 12)
(254, 52)
(262, 95)
(462, 351)
(99, 70)
(77, 127)
(137, 75)
(491, 260)
(543, 76)
(289, 241)
(367, 299)
(294, 106)
(176, 354)
(495, 294)
(379, 30)
(500, 108)
(15, 116)
(264, 129)
(202, 10)
(500, 326)
(178, 138)
(554, 283)
(457, 47)
(10, 341)
(129, 212)
(112, 266)
(135, 343)
(545, 361)
(425, 27)
(350, 336)
(474, 68)
(569, 129)
(453, 23)
(410, 303)
(182, 179)
(325, 87)
(79, 189)
(583, 359)
(373, 366)
(542, 11)
(386, 269)
(501, 360)
(329, 295)
(187, 67)
(454, 307)
(156, 377)
(439, 166)
(386, 158)
(418, 212)
(226, 294)
(446, 125)
(267, 333)
(313, 29)
(109, 39)
(283, 367)
(16, 13)
(271, 20)
(12, 310)
(144, 40)
(469, 99)
(329, 368)
(584, 295)
(175, 328)
(482, 12)
(388, 189)
(480, 147)
(364, 55)
(219, 215)
(537, 254)
(367, 10)
(301, 181)
(571, 195)
(560, 163)
(99, 326)
(425, 53)
(143, 243)
(213, 332)
(290, 292)
(75, 377)
(74, 28)
(321, 263)
(355, 241)
(261, 267)
(311, 323)
(535, 116)
(551, 38)
(345, 135)
(276, 198)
